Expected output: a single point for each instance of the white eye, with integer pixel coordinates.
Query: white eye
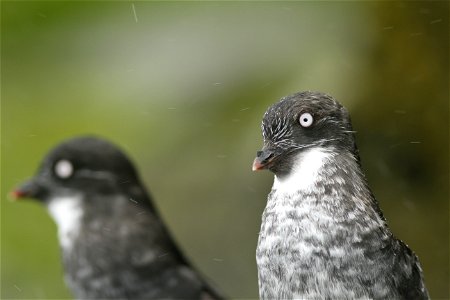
(63, 169)
(306, 119)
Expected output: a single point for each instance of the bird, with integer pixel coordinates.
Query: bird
(113, 241)
(323, 234)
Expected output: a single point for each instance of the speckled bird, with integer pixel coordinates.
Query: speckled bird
(114, 244)
(323, 235)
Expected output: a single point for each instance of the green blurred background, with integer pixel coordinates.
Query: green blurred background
(182, 87)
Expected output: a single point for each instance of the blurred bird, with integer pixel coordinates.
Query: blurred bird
(114, 244)
(323, 234)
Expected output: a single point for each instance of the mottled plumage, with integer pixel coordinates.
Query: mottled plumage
(323, 234)
(114, 244)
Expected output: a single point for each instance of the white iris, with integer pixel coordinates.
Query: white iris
(64, 169)
(306, 119)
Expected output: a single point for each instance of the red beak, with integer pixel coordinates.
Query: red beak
(29, 189)
(257, 165)
(17, 194)
(263, 159)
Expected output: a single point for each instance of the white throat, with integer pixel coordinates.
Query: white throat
(304, 172)
(67, 213)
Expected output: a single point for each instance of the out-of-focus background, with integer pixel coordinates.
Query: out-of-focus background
(182, 87)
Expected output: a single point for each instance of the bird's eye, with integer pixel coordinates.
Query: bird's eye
(63, 169)
(306, 119)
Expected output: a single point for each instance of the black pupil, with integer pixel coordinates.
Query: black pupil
(305, 120)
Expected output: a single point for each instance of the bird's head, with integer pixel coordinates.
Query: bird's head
(77, 167)
(301, 122)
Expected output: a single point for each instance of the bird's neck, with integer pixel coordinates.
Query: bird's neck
(332, 180)
(67, 212)
(304, 173)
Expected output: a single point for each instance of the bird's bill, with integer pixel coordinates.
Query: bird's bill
(263, 159)
(29, 189)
